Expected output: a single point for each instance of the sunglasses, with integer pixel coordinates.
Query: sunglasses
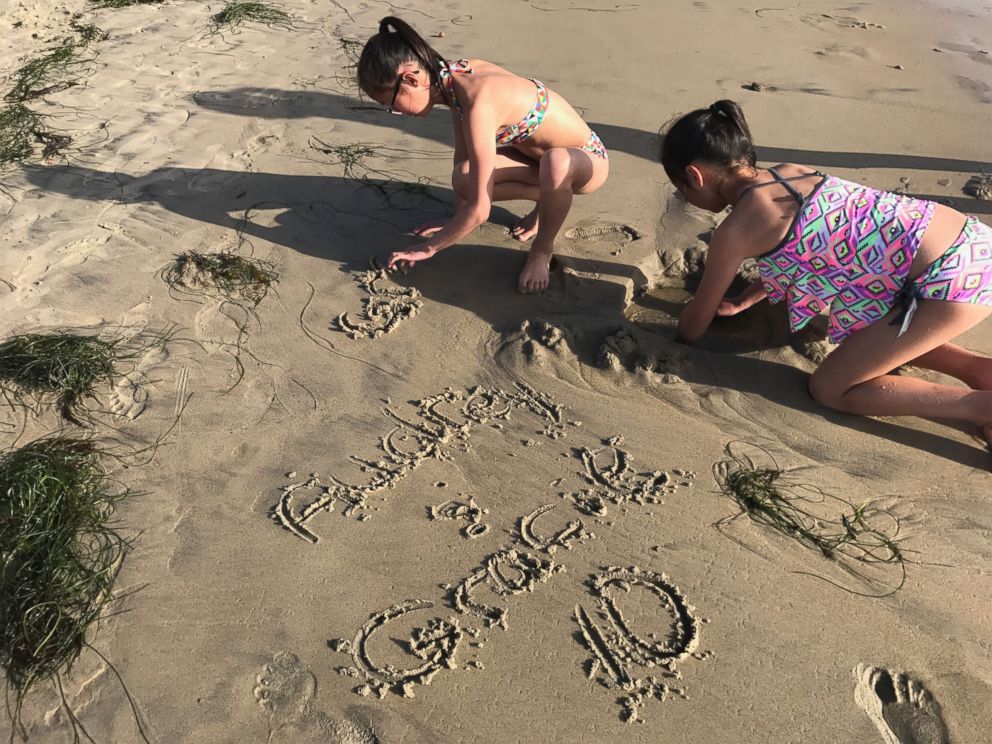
(392, 101)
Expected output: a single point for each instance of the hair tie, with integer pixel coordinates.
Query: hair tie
(384, 27)
(717, 111)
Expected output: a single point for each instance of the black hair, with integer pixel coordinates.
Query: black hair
(383, 54)
(717, 134)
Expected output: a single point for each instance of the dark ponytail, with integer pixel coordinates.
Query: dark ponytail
(383, 54)
(717, 134)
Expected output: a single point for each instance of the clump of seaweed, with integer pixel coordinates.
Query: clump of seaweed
(352, 49)
(232, 277)
(19, 129)
(88, 33)
(395, 188)
(64, 368)
(861, 535)
(239, 283)
(59, 556)
(121, 3)
(50, 73)
(350, 157)
(238, 13)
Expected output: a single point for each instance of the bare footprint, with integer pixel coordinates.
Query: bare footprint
(902, 709)
(285, 689)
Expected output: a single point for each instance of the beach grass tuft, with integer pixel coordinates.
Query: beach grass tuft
(238, 13)
(63, 368)
(59, 556)
(840, 530)
(232, 277)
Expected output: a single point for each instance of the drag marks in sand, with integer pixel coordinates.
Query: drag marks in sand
(408, 444)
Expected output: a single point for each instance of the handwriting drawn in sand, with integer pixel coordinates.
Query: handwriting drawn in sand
(506, 573)
(612, 479)
(571, 533)
(383, 310)
(462, 510)
(444, 421)
(619, 650)
(433, 645)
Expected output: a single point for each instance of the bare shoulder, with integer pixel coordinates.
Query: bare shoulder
(743, 234)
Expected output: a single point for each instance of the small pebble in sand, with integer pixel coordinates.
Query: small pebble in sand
(440, 484)
(755, 86)
(439, 35)
(897, 67)
(943, 181)
(291, 474)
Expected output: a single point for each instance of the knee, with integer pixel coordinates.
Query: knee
(556, 169)
(459, 178)
(825, 393)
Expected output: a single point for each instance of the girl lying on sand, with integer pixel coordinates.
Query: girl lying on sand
(900, 276)
(514, 139)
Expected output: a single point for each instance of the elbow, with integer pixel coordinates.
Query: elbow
(480, 213)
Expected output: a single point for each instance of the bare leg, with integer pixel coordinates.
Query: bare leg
(563, 172)
(974, 370)
(855, 377)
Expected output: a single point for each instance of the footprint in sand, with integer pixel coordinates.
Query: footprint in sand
(902, 709)
(617, 235)
(285, 689)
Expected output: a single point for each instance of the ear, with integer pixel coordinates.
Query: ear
(693, 177)
(411, 74)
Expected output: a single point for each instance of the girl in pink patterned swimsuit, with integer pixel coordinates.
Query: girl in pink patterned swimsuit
(514, 139)
(900, 277)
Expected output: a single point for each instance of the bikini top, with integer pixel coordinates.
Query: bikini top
(848, 251)
(512, 133)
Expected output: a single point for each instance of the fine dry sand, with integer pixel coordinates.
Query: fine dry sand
(448, 502)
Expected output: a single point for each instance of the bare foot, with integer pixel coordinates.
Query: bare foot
(534, 277)
(985, 433)
(902, 709)
(429, 228)
(526, 227)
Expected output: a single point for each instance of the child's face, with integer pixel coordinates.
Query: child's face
(410, 96)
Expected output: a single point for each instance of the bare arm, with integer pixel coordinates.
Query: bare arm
(752, 295)
(722, 262)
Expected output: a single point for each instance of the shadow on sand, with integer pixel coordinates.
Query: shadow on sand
(346, 221)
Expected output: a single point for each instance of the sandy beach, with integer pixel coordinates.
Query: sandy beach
(424, 507)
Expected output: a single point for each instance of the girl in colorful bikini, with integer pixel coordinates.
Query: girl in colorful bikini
(899, 276)
(514, 139)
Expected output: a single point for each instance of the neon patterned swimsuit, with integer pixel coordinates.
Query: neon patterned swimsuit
(848, 251)
(513, 133)
(523, 129)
